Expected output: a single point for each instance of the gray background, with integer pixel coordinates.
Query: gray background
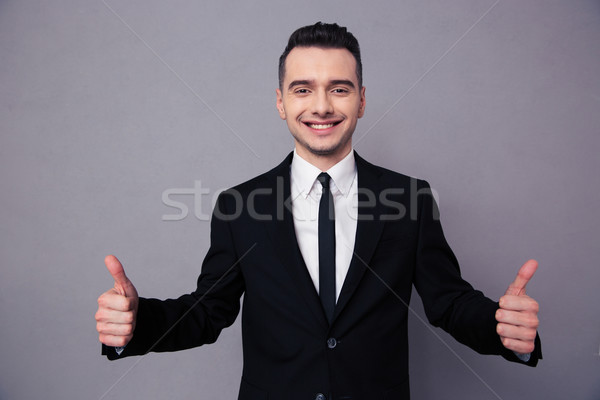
(105, 105)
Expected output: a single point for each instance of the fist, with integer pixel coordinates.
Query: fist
(117, 307)
(517, 316)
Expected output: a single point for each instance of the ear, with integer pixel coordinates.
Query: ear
(280, 107)
(363, 103)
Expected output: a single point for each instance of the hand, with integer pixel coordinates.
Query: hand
(517, 315)
(117, 308)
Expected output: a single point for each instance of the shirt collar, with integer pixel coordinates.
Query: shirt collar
(304, 175)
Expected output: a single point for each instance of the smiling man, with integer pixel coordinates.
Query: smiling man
(326, 248)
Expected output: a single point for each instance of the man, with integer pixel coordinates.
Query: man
(326, 261)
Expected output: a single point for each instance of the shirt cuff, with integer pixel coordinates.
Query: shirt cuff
(522, 356)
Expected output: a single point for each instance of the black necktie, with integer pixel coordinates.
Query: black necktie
(326, 247)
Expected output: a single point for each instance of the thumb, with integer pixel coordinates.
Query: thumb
(517, 287)
(122, 283)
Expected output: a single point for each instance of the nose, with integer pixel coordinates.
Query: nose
(321, 104)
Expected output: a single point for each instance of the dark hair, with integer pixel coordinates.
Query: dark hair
(326, 36)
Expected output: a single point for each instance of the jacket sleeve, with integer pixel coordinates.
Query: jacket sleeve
(449, 301)
(197, 318)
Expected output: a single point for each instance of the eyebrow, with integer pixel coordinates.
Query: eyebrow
(345, 82)
(334, 82)
(301, 82)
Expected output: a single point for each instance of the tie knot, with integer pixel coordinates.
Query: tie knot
(324, 179)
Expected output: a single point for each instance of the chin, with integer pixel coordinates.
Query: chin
(325, 150)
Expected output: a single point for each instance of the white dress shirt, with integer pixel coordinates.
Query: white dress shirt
(306, 195)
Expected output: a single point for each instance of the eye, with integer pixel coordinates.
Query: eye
(340, 90)
(301, 91)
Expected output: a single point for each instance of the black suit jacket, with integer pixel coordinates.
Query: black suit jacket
(290, 350)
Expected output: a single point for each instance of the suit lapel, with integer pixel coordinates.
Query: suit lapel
(368, 230)
(283, 235)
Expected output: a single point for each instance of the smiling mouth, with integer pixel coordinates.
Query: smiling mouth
(321, 126)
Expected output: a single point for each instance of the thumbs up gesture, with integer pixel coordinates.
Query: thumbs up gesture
(117, 307)
(517, 315)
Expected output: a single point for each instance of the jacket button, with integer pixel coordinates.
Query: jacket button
(331, 343)
(320, 396)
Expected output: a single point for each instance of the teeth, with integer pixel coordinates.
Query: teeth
(319, 126)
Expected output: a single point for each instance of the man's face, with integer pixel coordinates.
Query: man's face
(321, 102)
